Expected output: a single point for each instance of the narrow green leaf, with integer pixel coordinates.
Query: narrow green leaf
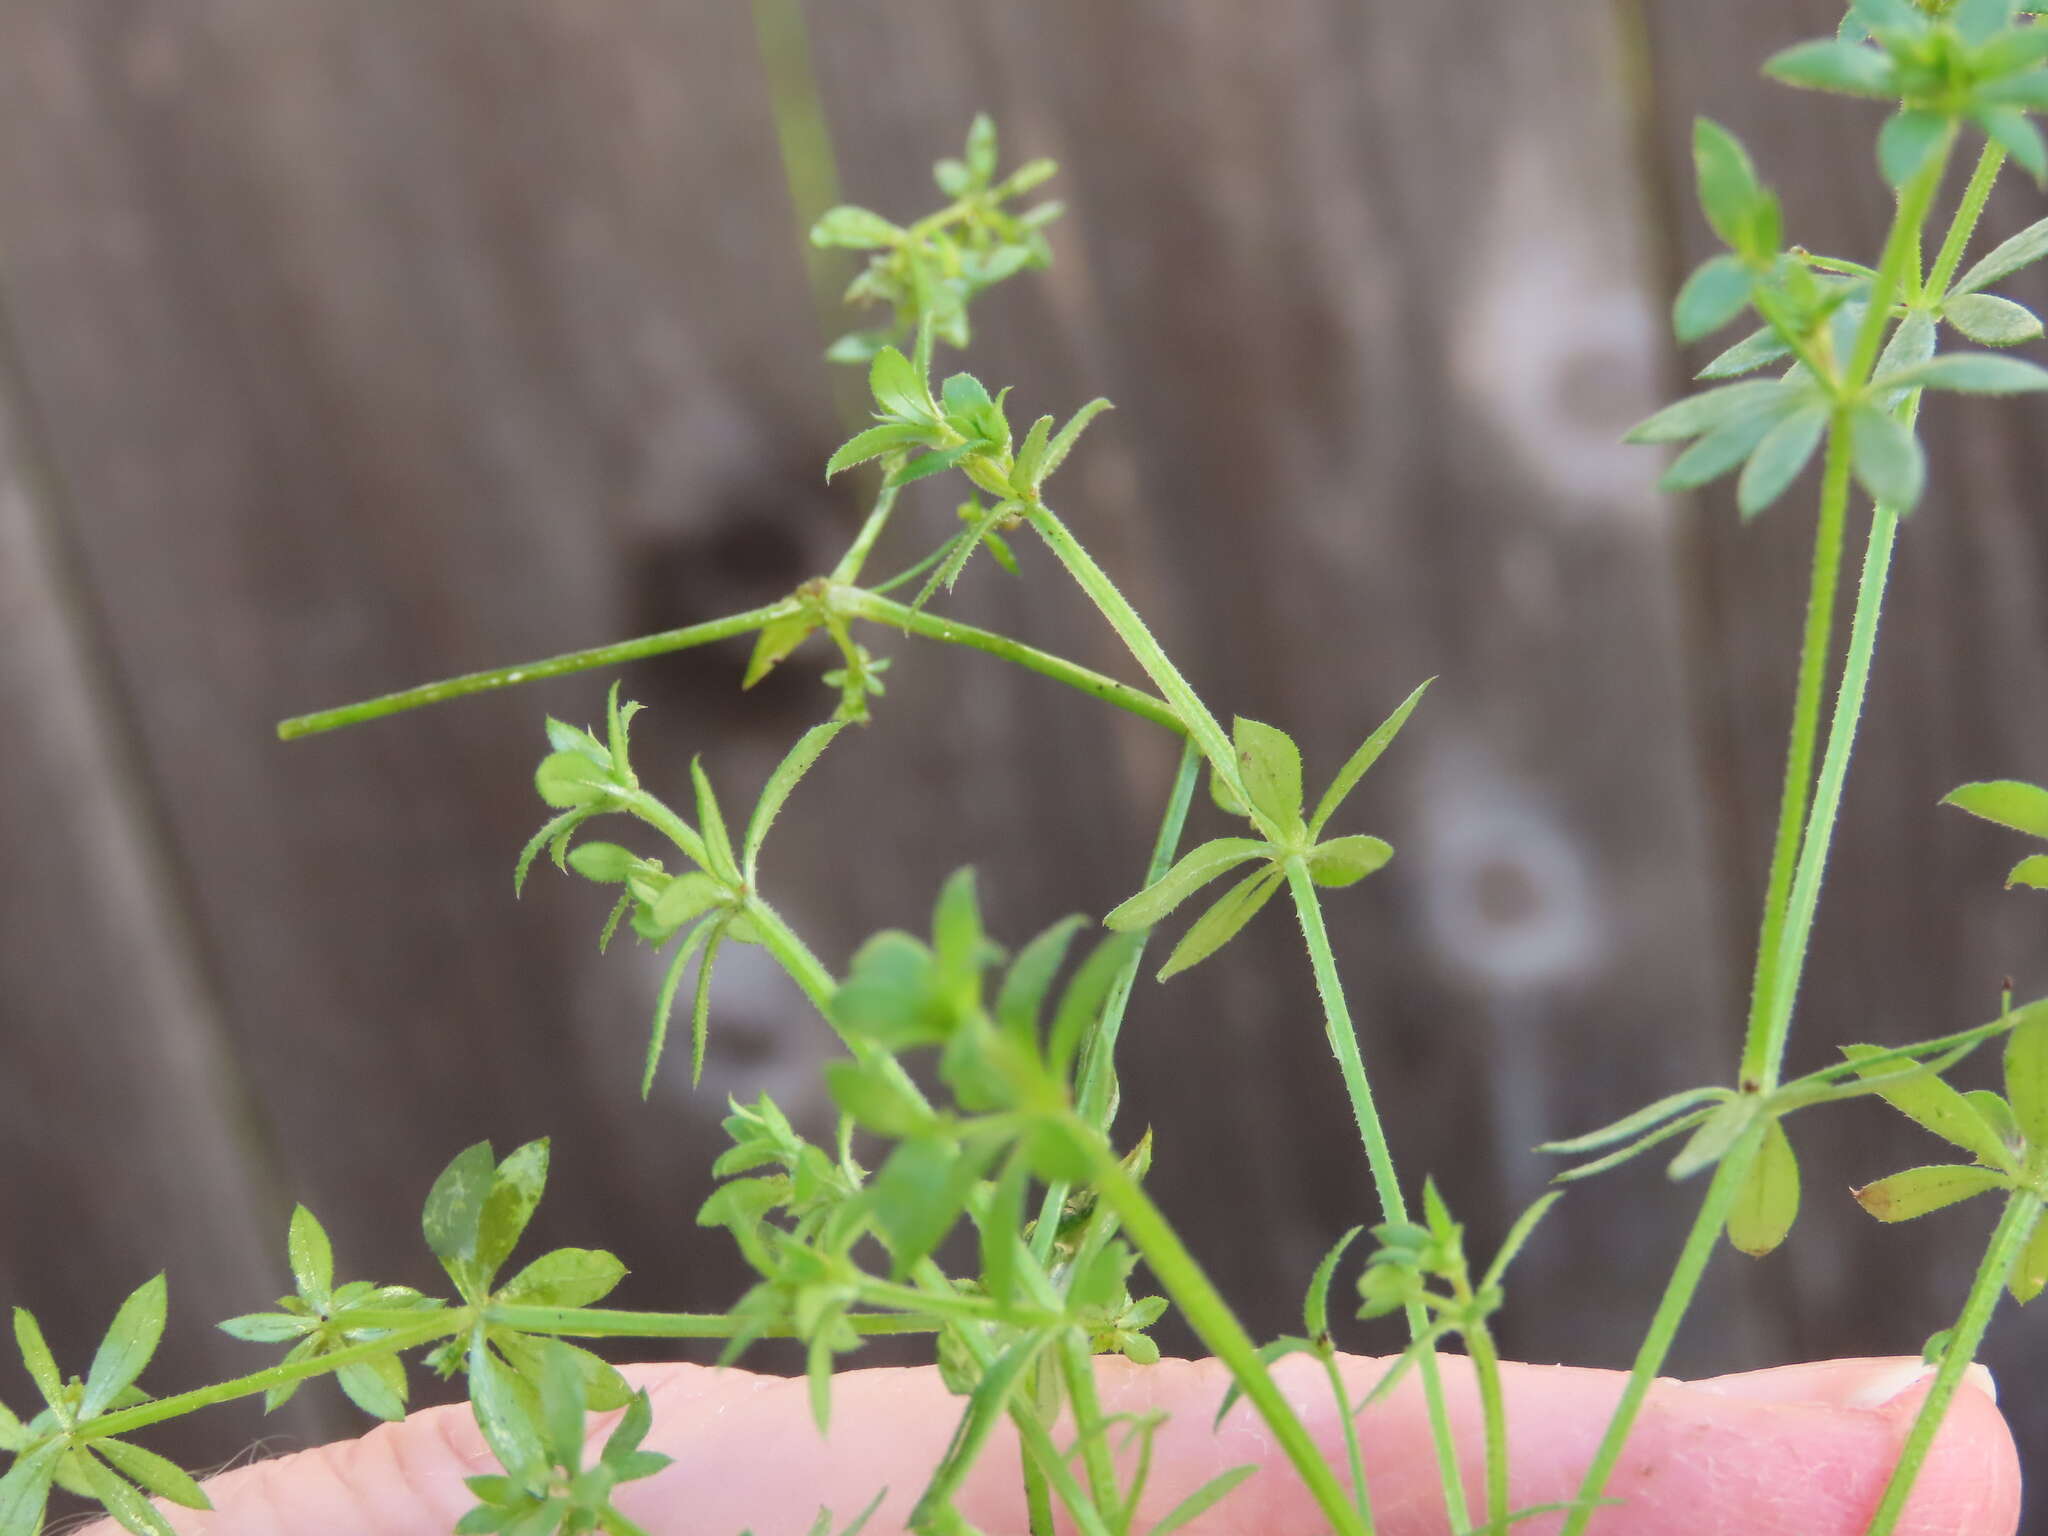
(1518, 1237)
(2031, 871)
(700, 1008)
(1999, 1116)
(2011, 51)
(1974, 373)
(131, 1509)
(35, 1354)
(1347, 860)
(787, 775)
(1719, 451)
(25, 1490)
(1315, 1306)
(1709, 409)
(564, 1277)
(1269, 767)
(1910, 345)
(1202, 1500)
(1991, 321)
(930, 464)
(1779, 458)
(602, 863)
(1220, 924)
(2026, 1078)
(266, 1327)
(1908, 139)
(567, 780)
(918, 1196)
(1727, 181)
(2027, 91)
(2008, 802)
(516, 1187)
(1933, 1104)
(456, 1204)
(129, 1343)
(1887, 458)
(1917, 1191)
(1754, 351)
(1194, 870)
(1367, 754)
(963, 394)
(1852, 69)
(1082, 1002)
(2006, 258)
(876, 1099)
(1633, 1124)
(1978, 20)
(899, 389)
(854, 229)
(376, 1386)
(2012, 130)
(503, 1411)
(1721, 1129)
(1063, 442)
(1001, 1223)
(2030, 1271)
(711, 827)
(1768, 1202)
(685, 898)
(889, 437)
(985, 1409)
(665, 1001)
(157, 1475)
(1715, 294)
(1030, 460)
(1275, 1350)
(774, 643)
(1021, 999)
(559, 826)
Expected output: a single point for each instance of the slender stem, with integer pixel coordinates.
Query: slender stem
(859, 604)
(1964, 224)
(1098, 1052)
(1353, 1457)
(1827, 799)
(1379, 1157)
(155, 1412)
(1799, 754)
(1123, 618)
(1900, 260)
(533, 671)
(1493, 1409)
(1216, 1325)
(1078, 1371)
(805, 968)
(2015, 1227)
(1671, 1310)
(606, 1323)
(847, 571)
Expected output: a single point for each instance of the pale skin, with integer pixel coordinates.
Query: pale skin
(1797, 1451)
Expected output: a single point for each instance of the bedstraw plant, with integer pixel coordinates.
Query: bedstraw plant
(977, 1089)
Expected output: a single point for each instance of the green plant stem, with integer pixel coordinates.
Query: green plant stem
(804, 968)
(533, 671)
(1493, 1409)
(1123, 618)
(1098, 1052)
(1215, 1324)
(847, 571)
(1353, 1457)
(1379, 1157)
(1799, 753)
(2008, 1239)
(1827, 799)
(859, 604)
(142, 1415)
(605, 1323)
(1964, 224)
(1671, 1310)
(1901, 255)
(1077, 1368)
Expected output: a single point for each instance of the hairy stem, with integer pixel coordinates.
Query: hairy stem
(606, 1323)
(142, 1415)
(1379, 1157)
(1493, 1409)
(859, 604)
(1123, 618)
(1354, 1458)
(1078, 1371)
(2008, 1239)
(1671, 1310)
(847, 571)
(1964, 224)
(1216, 1325)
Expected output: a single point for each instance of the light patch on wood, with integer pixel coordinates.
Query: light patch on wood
(1557, 345)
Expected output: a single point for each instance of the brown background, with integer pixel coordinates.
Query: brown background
(347, 346)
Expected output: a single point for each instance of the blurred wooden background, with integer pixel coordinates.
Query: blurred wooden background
(349, 346)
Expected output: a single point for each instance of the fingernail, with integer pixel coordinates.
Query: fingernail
(1889, 1385)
